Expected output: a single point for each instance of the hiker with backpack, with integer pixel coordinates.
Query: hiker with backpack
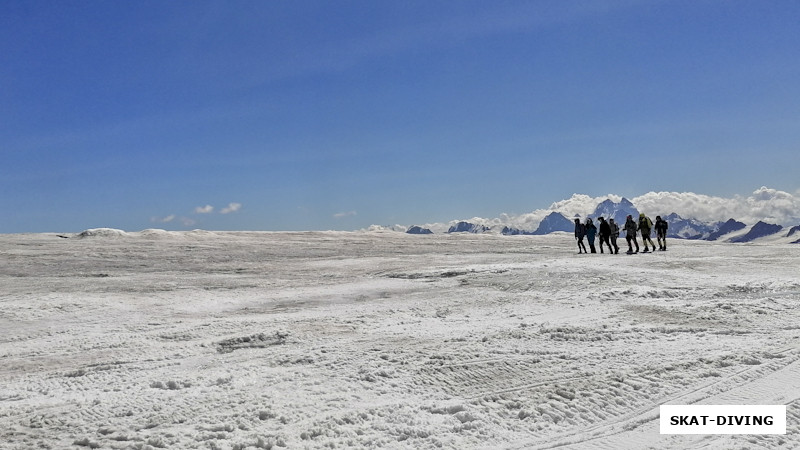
(614, 234)
(591, 231)
(661, 233)
(630, 234)
(605, 233)
(645, 226)
(580, 232)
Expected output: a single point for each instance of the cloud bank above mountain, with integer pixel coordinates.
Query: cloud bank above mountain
(765, 204)
(769, 205)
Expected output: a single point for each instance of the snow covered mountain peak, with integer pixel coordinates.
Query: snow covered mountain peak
(618, 211)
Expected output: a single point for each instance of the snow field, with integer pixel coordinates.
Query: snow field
(377, 339)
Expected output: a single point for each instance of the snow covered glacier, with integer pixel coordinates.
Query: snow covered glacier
(241, 340)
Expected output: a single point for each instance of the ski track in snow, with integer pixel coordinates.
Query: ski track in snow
(242, 340)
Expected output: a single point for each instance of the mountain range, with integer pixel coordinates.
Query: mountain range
(679, 227)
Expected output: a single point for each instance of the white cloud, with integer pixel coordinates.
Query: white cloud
(208, 209)
(769, 205)
(344, 214)
(167, 219)
(775, 206)
(232, 207)
(580, 204)
(765, 204)
(187, 222)
(688, 204)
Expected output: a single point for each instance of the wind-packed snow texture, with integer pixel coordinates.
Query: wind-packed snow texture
(382, 339)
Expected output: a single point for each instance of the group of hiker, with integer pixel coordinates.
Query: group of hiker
(608, 232)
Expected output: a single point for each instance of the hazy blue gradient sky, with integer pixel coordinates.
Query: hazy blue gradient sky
(279, 115)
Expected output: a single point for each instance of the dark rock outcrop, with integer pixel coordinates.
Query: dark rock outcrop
(418, 230)
(511, 231)
(728, 227)
(759, 230)
(466, 227)
(554, 221)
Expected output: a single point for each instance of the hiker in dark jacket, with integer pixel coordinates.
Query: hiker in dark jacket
(614, 234)
(580, 232)
(645, 226)
(591, 231)
(661, 233)
(605, 233)
(630, 234)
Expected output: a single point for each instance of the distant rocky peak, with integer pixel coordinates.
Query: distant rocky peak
(759, 230)
(466, 227)
(415, 229)
(688, 228)
(607, 204)
(724, 228)
(554, 221)
(619, 211)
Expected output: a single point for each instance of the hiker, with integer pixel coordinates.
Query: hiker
(630, 234)
(605, 233)
(645, 226)
(614, 234)
(580, 232)
(591, 231)
(661, 233)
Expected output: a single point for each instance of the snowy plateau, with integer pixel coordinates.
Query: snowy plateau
(261, 340)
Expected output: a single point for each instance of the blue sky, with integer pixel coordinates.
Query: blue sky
(316, 115)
